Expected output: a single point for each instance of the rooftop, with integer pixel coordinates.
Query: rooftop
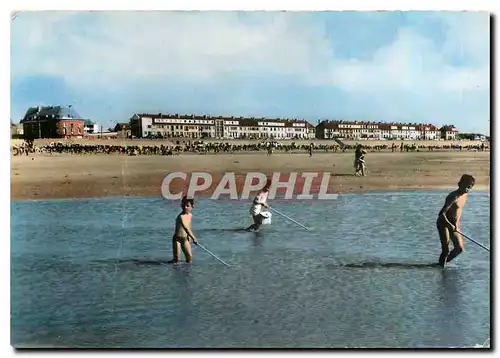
(52, 112)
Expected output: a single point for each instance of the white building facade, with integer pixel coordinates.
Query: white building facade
(377, 131)
(92, 129)
(191, 126)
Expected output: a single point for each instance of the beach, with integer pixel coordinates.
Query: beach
(44, 176)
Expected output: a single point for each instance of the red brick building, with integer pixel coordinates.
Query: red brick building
(52, 122)
(69, 128)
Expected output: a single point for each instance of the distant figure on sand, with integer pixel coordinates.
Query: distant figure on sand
(183, 233)
(448, 221)
(269, 148)
(359, 161)
(258, 203)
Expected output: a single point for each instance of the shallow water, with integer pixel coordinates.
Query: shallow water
(91, 273)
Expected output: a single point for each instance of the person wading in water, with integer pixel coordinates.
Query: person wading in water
(258, 203)
(448, 221)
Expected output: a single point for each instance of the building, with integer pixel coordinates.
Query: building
(170, 126)
(52, 122)
(103, 135)
(429, 132)
(19, 129)
(91, 128)
(448, 132)
(480, 137)
(354, 130)
(16, 130)
(123, 130)
(202, 126)
(311, 132)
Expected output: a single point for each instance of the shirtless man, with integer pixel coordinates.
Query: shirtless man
(258, 202)
(448, 221)
(183, 232)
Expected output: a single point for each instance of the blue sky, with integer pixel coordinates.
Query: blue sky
(385, 66)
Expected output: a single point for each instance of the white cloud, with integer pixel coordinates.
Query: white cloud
(468, 34)
(191, 47)
(201, 47)
(411, 63)
(465, 79)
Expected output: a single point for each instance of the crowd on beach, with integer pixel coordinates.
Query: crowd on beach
(199, 147)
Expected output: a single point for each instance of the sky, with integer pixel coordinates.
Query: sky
(425, 67)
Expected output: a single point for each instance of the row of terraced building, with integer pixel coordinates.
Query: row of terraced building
(65, 122)
(201, 126)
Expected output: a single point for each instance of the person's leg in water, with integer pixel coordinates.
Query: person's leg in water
(458, 246)
(187, 251)
(444, 237)
(176, 248)
(251, 227)
(257, 222)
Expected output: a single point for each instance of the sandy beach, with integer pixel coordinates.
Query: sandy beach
(44, 176)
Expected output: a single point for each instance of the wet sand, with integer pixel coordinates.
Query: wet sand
(44, 176)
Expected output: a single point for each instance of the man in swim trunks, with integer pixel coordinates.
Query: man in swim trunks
(258, 203)
(183, 232)
(448, 221)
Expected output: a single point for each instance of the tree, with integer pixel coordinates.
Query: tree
(467, 136)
